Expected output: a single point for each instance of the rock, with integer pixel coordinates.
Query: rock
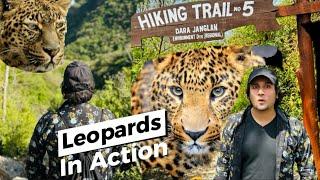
(4, 175)
(10, 168)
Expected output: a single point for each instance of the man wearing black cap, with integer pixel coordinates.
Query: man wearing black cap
(262, 142)
(77, 89)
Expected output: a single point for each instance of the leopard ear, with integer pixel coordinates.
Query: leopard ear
(64, 5)
(162, 62)
(241, 57)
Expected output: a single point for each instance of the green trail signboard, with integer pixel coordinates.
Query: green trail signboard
(202, 21)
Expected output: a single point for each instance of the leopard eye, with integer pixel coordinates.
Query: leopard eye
(32, 26)
(217, 92)
(176, 91)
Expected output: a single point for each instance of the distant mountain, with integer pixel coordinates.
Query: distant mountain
(77, 15)
(98, 33)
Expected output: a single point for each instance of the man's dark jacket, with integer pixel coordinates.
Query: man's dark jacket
(293, 145)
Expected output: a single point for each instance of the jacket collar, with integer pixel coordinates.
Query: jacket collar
(284, 121)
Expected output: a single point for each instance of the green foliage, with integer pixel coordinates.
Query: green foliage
(16, 131)
(115, 95)
(110, 66)
(29, 96)
(132, 174)
(242, 100)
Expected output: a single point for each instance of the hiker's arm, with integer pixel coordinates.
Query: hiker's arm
(37, 149)
(304, 159)
(107, 115)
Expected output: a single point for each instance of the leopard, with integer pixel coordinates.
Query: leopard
(32, 33)
(198, 89)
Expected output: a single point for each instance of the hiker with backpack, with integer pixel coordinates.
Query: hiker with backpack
(77, 89)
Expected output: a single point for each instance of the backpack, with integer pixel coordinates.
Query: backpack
(86, 160)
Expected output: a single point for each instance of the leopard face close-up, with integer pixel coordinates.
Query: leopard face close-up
(32, 33)
(198, 89)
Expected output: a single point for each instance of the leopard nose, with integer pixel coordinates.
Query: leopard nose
(195, 134)
(51, 51)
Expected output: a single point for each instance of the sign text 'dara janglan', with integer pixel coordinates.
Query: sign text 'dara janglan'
(202, 21)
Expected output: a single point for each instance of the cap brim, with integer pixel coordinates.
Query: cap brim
(271, 77)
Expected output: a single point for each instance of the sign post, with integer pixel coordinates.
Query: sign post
(202, 21)
(306, 79)
(312, 28)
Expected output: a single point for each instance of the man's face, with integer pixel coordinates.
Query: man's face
(262, 93)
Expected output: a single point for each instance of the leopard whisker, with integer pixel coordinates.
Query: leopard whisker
(33, 61)
(4, 51)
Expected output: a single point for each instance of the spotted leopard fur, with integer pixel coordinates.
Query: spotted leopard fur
(32, 33)
(198, 89)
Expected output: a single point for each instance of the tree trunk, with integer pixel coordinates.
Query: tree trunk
(5, 92)
(313, 28)
(306, 78)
